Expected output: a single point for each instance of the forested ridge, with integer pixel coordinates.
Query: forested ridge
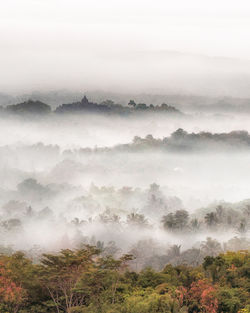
(38, 107)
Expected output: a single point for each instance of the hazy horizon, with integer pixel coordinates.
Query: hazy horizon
(174, 47)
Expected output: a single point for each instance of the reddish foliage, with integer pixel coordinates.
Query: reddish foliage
(204, 293)
(181, 294)
(10, 293)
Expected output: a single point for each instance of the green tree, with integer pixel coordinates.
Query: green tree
(61, 274)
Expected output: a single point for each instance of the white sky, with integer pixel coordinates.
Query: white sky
(44, 36)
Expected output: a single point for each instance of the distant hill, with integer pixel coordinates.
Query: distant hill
(180, 101)
(30, 106)
(83, 105)
(105, 107)
(109, 106)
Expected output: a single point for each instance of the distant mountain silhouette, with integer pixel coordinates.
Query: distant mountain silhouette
(105, 107)
(84, 104)
(109, 106)
(30, 106)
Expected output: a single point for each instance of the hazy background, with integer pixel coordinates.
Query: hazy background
(192, 47)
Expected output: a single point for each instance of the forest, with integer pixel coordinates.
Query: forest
(124, 156)
(87, 280)
(147, 213)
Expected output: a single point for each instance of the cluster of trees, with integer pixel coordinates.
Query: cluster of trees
(81, 281)
(180, 140)
(221, 218)
(127, 217)
(142, 106)
(108, 106)
(131, 207)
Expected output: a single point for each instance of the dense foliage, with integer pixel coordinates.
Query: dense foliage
(78, 281)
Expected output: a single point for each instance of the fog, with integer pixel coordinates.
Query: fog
(125, 46)
(125, 126)
(74, 131)
(70, 179)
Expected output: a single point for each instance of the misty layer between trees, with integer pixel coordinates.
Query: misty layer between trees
(147, 180)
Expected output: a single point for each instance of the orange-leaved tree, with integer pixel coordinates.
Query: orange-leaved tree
(11, 295)
(202, 296)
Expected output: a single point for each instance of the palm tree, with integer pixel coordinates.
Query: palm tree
(137, 219)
